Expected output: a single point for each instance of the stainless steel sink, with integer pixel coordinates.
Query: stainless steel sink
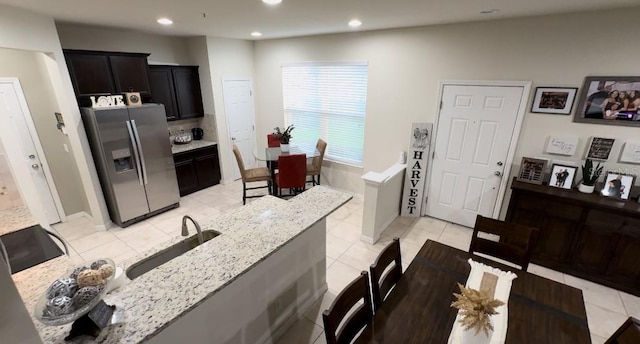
(138, 269)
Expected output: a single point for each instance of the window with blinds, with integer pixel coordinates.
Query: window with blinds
(328, 101)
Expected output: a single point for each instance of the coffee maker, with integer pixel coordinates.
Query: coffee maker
(197, 133)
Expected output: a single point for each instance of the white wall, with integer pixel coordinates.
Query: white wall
(405, 66)
(229, 58)
(30, 69)
(20, 29)
(163, 49)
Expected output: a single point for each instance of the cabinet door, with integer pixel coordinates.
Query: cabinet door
(186, 82)
(162, 91)
(624, 267)
(187, 177)
(208, 170)
(130, 73)
(597, 238)
(557, 223)
(90, 74)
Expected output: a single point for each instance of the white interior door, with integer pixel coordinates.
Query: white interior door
(473, 138)
(25, 156)
(238, 100)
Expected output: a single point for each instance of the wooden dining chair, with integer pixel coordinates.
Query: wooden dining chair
(509, 241)
(315, 167)
(258, 174)
(382, 283)
(291, 173)
(628, 333)
(348, 299)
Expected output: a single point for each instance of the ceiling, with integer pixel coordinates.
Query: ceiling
(238, 18)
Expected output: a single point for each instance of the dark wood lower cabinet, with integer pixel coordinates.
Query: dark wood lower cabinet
(197, 169)
(586, 235)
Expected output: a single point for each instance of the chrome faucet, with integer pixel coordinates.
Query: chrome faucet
(185, 231)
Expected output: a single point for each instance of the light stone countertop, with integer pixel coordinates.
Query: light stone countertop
(15, 219)
(156, 299)
(195, 144)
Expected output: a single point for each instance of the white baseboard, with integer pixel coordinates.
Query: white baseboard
(368, 239)
(79, 215)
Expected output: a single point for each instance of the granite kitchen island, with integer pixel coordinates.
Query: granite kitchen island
(244, 286)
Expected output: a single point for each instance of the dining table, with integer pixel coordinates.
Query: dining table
(418, 309)
(271, 154)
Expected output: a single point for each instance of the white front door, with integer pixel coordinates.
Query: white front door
(27, 167)
(474, 134)
(238, 102)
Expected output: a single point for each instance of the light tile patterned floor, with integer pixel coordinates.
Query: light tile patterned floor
(346, 254)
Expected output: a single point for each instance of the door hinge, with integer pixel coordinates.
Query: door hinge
(441, 105)
(251, 93)
(433, 155)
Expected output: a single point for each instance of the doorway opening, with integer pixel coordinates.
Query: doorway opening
(476, 133)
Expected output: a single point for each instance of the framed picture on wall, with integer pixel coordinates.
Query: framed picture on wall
(562, 176)
(532, 170)
(612, 100)
(618, 185)
(554, 100)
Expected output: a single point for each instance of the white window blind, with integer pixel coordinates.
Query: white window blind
(327, 101)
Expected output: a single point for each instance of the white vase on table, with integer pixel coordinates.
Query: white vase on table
(586, 188)
(470, 337)
(284, 147)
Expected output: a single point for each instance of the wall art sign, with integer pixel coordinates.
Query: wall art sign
(417, 162)
(106, 101)
(562, 145)
(631, 152)
(613, 100)
(600, 148)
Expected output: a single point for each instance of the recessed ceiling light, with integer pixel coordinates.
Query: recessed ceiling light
(272, 2)
(355, 23)
(491, 11)
(256, 34)
(165, 21)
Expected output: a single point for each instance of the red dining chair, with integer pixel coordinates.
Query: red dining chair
(273, 141)
(292, 173)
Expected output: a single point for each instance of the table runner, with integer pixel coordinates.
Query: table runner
(497, 283)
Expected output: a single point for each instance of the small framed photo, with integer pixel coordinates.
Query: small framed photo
(618, 185)
(532, 170)
(562, 176)
(554, 100)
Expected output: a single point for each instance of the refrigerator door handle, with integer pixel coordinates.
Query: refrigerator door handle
(135, 151)
(141, 152)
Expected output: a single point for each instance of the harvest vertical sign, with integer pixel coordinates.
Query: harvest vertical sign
(417, 161)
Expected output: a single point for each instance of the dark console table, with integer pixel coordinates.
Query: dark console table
(585, 235)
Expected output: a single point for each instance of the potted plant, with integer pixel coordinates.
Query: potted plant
(589, 176)
(284, 137)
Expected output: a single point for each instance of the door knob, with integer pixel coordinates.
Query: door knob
(233, 139)
(497, 173)
(35, 166)
(31, 156)
(499, 163)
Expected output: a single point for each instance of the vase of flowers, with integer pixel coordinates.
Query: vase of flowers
(589, 176)
(475, 309)
(284, 136)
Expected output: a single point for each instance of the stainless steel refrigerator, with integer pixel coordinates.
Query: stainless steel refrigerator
(132, 153)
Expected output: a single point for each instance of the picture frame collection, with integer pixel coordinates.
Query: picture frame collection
(617, 185)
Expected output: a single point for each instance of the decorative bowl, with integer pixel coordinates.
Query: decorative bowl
(64, 301)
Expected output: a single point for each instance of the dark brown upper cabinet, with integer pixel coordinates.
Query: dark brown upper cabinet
(102, 72)
(178, 88)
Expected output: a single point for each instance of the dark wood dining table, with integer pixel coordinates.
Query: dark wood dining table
(417, 310)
